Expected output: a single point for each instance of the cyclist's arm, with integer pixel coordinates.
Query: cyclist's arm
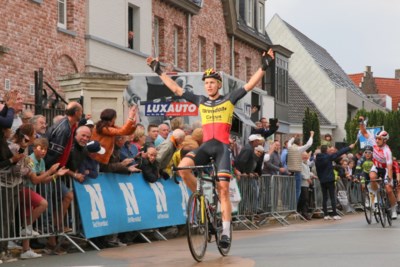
(171, 84)
(256, 78)
(389, 163)
(390, 170)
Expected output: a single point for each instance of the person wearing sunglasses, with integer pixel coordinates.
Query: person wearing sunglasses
(383, 164)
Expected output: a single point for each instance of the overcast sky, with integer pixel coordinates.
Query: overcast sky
(356, 33)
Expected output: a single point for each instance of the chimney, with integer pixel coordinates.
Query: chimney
(368, 69)
(397, 74)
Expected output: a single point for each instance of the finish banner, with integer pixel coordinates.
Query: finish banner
(116, 203)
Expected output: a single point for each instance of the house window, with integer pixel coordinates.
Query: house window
(62, 14)
(248, 69)
(237, 65)
(178, 46)
(133, 27)
(261, 18)
(156, 37)
(217, 56)
(159, 37)
(249, 12)
(201, 54)
(282, 78)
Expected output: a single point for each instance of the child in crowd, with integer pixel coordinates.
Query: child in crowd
(33, 203)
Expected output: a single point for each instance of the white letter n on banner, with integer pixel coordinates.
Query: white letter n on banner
(130, 198)
(161, 198)
(96, 200)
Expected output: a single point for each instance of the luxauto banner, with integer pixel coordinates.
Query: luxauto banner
(171, 109)
(115, 203)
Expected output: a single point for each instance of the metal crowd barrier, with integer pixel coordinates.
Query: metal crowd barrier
(247, 208)
(316, 206)
(267, 196)
(16, 212)
(284, 200)
(354, 192)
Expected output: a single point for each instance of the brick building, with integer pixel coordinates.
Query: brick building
(371, 85)
(195, 39)
(193, 35)
(40, 34)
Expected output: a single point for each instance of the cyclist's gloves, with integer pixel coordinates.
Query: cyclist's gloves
(266, 61)
(156, 67)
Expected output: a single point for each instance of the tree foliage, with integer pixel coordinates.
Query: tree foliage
(311, 123)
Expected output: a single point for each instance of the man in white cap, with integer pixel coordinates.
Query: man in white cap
(90, 124)
(246, 161)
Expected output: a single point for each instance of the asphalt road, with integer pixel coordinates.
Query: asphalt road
(349, 242)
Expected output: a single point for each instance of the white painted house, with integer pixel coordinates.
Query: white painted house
(316, 80)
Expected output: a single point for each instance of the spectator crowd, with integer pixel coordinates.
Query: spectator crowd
(75, 146)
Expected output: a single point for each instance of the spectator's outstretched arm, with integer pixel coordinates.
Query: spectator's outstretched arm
(341, 152)
(308, 144)
(154, 64)
(267, 58)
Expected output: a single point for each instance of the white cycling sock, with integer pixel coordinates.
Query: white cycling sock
(226, 228)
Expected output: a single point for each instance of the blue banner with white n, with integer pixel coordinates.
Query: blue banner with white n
(115, 203)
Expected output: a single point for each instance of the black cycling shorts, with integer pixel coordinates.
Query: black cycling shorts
(219, 152)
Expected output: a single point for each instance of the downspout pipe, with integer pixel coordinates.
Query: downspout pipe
(233, 55)
(189, 34)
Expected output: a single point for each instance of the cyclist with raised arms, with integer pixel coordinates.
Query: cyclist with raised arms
(216, 113)
(382, 159)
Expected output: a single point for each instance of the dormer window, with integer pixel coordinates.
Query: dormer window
(249, 12)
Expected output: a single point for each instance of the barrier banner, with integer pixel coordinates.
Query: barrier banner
(116, 203)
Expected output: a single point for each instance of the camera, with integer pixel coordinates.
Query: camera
(21, 150)
(273, 123)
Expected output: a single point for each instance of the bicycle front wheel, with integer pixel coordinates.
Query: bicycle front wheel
(218, 232)
(197, 226)
(368, 207)
(386, 206)
(382, 207)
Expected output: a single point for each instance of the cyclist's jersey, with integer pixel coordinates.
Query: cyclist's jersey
(382, 156)
(366, 166)
(216, 115)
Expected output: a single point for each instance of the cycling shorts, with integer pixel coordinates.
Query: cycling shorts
(382, 173)
(219, 152)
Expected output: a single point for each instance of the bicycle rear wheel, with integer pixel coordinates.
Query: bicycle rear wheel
(368, 206)
(197, 226)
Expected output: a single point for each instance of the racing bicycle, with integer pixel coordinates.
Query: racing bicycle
(204, 221)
